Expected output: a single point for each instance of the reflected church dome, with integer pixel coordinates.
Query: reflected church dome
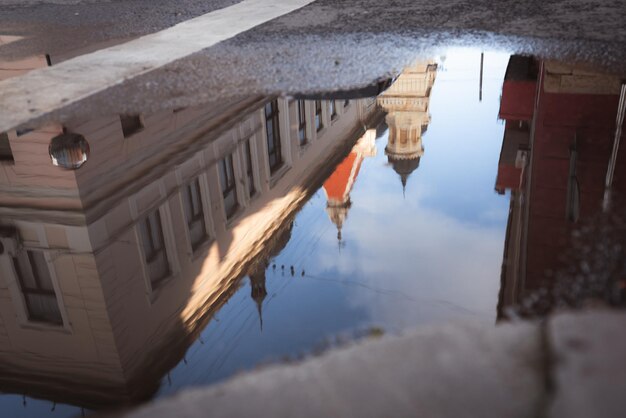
(404, 167)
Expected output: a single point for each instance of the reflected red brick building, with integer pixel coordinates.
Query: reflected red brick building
(560, 127)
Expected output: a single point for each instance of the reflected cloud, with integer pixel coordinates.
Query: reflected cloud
(416, 259)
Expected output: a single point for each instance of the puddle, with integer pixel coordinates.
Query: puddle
(187, 245)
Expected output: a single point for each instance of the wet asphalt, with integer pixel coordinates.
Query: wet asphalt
(57, 26)
(327, 45)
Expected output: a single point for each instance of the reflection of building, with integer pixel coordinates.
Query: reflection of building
(109, 272)
(341, 181)
(566, 117)
(406, 104)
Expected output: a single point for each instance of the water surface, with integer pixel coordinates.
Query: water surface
(199, 242)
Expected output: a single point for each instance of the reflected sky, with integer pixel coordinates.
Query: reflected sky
(430, 253)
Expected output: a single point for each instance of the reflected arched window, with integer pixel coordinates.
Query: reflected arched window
(36, 285)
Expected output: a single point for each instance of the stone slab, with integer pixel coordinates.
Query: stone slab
(588, 357)
(37, 92)
(451, 371)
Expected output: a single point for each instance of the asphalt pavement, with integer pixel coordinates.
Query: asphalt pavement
(325, 46)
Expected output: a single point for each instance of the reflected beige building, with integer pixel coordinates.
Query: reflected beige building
(107, 273)
(406, 103)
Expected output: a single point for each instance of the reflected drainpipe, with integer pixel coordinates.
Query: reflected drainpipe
(619, 121)
(529, 166)
(572, 207)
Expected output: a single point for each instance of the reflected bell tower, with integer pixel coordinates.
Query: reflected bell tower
(406, 103)
(339, 185)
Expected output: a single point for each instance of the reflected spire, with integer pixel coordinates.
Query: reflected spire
(338, 212)
(258, 291)
(256, 273)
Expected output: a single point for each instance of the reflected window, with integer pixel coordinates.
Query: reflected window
(21, 132)
(302, 122)
(403, 136)
(333, 109)
(227, 183)
(131, 124)
(318, 115)
(36, 285)
(5, 148)
(155, 253)
(249, 169)
(273, 136)
(194, 214)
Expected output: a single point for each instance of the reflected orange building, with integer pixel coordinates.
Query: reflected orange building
(339, 185)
